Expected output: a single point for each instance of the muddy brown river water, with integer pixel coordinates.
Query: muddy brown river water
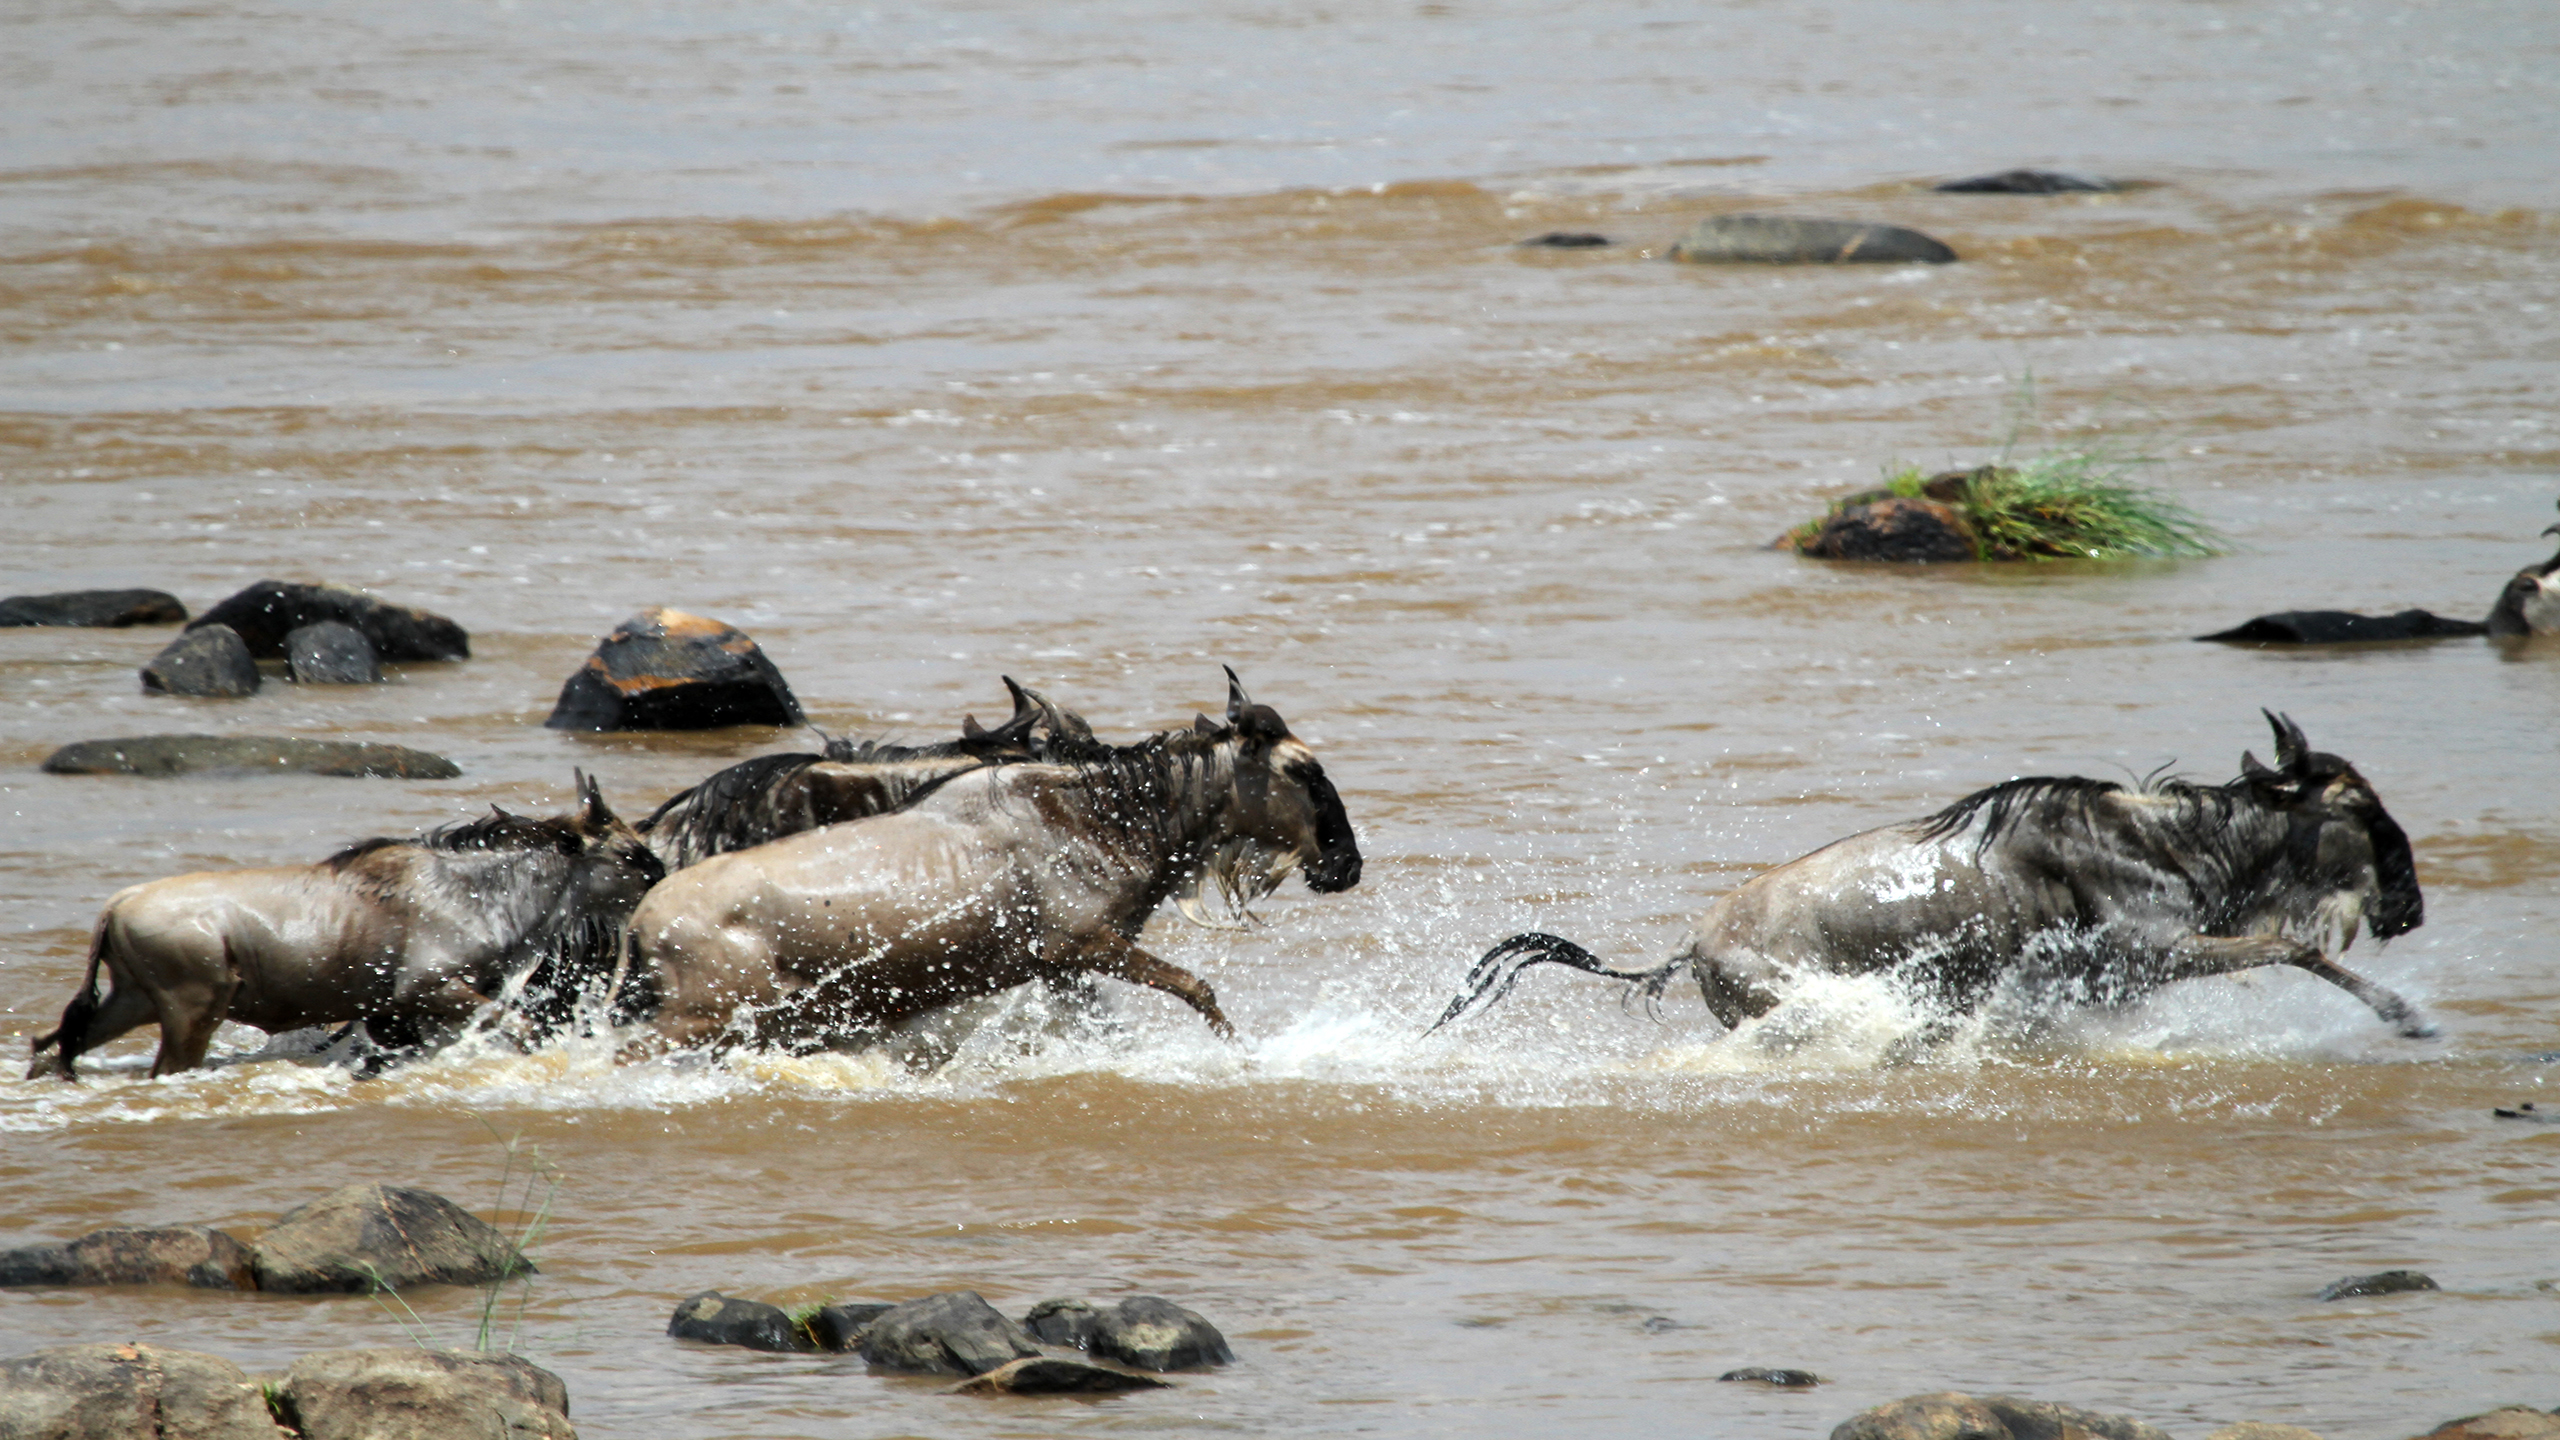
(1101, 345)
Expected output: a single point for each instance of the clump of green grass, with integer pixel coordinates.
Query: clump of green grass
(524, 1172)
(2069, 502)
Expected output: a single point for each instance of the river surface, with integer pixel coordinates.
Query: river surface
(1099, 345)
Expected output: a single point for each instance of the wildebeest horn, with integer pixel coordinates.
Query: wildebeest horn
(599, 814)
(2252, 768)
(1203, 725)
(1236, 698)
(2293, 752)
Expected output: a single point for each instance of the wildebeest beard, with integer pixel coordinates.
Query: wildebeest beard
(1232, 877)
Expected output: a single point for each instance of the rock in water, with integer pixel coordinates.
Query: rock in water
(1766, 1375)
(1567, 240)
(113, 1392)
(1061, 1322)
(108, 609)
(663, 669)
(270, 610)
(1787, 240)
(1897, 528)
(412, 1394)
(2514, 1422)
(2026, 182)
(2384, 1282)
(196, 1255)
(211, 661)
(1948, 1415)
(715, 1319)
(160, 756)
(841, 1327)
(363, 1237)
(2044, 1420)
(331, 652)
(954, 1333)
(2342, 627)
(1049, 1375)
(1152, 1333)
(2261, 1430)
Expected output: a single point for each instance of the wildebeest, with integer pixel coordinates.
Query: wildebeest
(409, 936)
(2112, 891)
(2530, 605)
(1001, 875)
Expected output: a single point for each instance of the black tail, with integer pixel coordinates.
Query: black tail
(1500, 969)
(73, 1032)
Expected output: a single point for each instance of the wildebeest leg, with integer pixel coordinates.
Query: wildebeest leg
(2200, 955)
(1108, 954)
(86, 1028)
(189, 1014)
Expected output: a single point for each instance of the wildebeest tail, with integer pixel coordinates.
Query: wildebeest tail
(83, 1007)
(1499, 970)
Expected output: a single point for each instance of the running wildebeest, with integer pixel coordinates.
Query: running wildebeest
(2110, 890)
(409, 936)
(1002, 875)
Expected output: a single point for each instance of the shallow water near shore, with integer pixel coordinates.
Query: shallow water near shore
(1100, 349)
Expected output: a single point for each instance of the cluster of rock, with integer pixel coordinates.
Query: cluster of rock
(125, 1392)
(958, 1333)
(324, 634)
(355, 1239)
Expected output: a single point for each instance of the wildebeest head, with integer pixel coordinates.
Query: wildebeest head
(2341, 833)
(1286, 806)
(615, 865)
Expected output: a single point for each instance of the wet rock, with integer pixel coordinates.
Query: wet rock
(1659, 1325)
(1567, 240)
(2343, 627)
(1788, 240)
(1766, 1375)
(106, 609)
(841, 1327)
(2026, 182)
(1060, 1322)
(365, 1237)
(1152, 1333)
(331, 653)
(1948, 1415)
(1051, 1375)
(2513, 1422)
(954, 1333)
(2260, 1430)
(196, 1255)
(715, 1319)
(212, 661)
(1912, 531)
(160, 756)
(412, 1394)
(663, 669)
(128, 1392)
(270, 610)
(2044, 1420)
(2384, 1282)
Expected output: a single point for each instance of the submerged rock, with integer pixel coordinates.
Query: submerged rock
(714, 1319)
(954, 1333)
(1897, 528)
(366, 1237)
(1766, 1375)
(2026, 182)
(196, 1255)
(102, 609)
(1051, 1375)
(411, 1394)
(1567, 240)
(2343, 627)
(1949, 1415)
(160, 756)
(1152, 1333)
(211, 661)
(270, 610)
(2383, 1282)
(664, 669)
(331, 653)
(126, 1392)
(1788, 240)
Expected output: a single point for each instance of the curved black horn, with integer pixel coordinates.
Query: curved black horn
(1237, 700)
(2293, 750)
(1500, 969)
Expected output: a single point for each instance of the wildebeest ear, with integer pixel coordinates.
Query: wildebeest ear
(1237, 700)
(1203, 725)
(970, 729)
(2293, 752)
(598, 815)
(2251, 768)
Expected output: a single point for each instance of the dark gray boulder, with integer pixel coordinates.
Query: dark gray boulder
(714, 1319)
(841, 1327)
(1949, 1415)
(160, 756)
(365, 1237)
(105, 609)
(130, 1392)
(1767, 1375)
(2383, 1282)
(2045, 1420)
(1061, 1322)
(664, 669)
(196, 1255)
(1053, 1375)
(208, 662)
(1908, 530)
(2026, 182)
(1789, 240)
(331, 652)
(413, 1394)
(1152, 1333)
(2342, 627)
(270, 610)
(954, 1333)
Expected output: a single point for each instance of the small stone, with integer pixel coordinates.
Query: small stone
(1788, 240)
(193, 1255)
(2261, 1430)
(270, 610)
(206, 662)
(1061, 1322)
(663, 669)
(331, 653)
(2025, 182)
(1766, 1375)
(1152, 1333)
(2513, 1422)
(1910, 531)
(954, 1333)
(362, 1238)
(161, 756)
(1567, 240)
(1052, 1375)
(715, 1319)
(1659, 1325)
(106, 609)
(2385, 1282)
(412, 1394)
(119, 1392)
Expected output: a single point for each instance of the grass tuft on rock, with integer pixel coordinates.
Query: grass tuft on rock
(2077, 503)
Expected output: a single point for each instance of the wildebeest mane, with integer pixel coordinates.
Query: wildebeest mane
(497, 830)
(2195, 811)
